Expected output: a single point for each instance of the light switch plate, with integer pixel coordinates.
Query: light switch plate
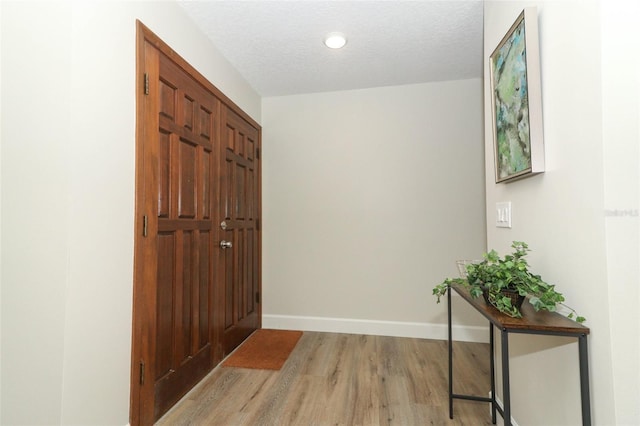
(503, 214)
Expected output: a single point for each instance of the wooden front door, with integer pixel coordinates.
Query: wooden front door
(181, 277)
(240, 208)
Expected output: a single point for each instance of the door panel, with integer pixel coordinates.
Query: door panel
(189, 293)
(240, 197)
(185, 235)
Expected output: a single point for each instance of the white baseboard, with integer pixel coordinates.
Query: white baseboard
(376, 328)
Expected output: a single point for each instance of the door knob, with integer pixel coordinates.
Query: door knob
(226, 244)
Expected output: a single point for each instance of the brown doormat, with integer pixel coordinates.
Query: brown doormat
(265, 349)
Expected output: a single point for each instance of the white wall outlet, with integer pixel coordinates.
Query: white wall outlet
(503, 214)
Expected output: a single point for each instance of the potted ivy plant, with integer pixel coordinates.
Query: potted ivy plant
(506, 281)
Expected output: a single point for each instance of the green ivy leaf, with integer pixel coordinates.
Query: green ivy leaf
(511, 271)
(475, 291)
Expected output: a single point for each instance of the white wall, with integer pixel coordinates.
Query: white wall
(621, 148)
(369, 198)
(561, 213)
(67, 188)
(0, 214)
(35, 188)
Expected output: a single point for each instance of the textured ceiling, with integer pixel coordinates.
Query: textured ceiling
(278, 45)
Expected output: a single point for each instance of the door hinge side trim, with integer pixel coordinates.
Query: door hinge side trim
(146, 83)
(142, 372)
(258, 153)
(257, 297)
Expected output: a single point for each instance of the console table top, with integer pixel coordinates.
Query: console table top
(533, 322)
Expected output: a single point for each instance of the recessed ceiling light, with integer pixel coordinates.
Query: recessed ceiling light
(335, 40)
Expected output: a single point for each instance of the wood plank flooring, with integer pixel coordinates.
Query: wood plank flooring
(345, 379)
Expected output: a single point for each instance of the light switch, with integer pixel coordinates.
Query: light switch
(503, 214)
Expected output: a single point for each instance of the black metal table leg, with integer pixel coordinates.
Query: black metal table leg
(505, 379)
(584, 380)
(492, 369)
(450, 354)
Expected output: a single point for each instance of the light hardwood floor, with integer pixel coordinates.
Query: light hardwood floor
(345, 379)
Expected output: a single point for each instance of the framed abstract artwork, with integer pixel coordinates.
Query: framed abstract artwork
(516, 101)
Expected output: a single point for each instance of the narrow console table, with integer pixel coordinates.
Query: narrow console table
(532, 322)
